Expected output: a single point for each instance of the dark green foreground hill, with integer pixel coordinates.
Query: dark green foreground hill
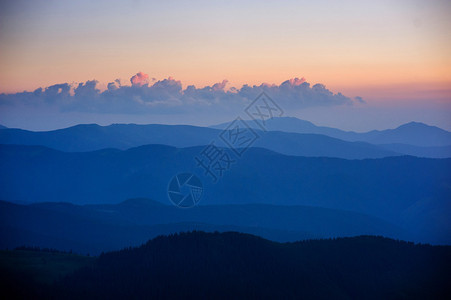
(235, 265)
(29, 273)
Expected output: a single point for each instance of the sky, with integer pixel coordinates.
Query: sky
(390, 60)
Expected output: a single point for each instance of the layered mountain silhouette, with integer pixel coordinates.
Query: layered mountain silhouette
(412, 193)
(123, 136)
(288, 136)
(413, 133)
(431, 152)
(96, 228)
(65, 189)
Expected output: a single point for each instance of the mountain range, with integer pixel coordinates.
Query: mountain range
(123, 136)
(413, 133)
(96, 228)
(292, 137)
(304, 212)
(408, 192)
(378, 191)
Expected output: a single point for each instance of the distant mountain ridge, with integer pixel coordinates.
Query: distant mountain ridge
(290, 136)
(124, 136)
(413, 133)
(431, 152)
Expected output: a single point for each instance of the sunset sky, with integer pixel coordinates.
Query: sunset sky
(393, 54)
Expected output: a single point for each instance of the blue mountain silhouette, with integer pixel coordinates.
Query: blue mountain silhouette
(409, 192)
(123, 136)
(413, 133)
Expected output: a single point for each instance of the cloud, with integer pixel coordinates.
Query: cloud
(62, 90)
(87, 89)
(220, 85)
(294, 81)
(140, 79)
(114, 85)
(296, 93)
(167, 96)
